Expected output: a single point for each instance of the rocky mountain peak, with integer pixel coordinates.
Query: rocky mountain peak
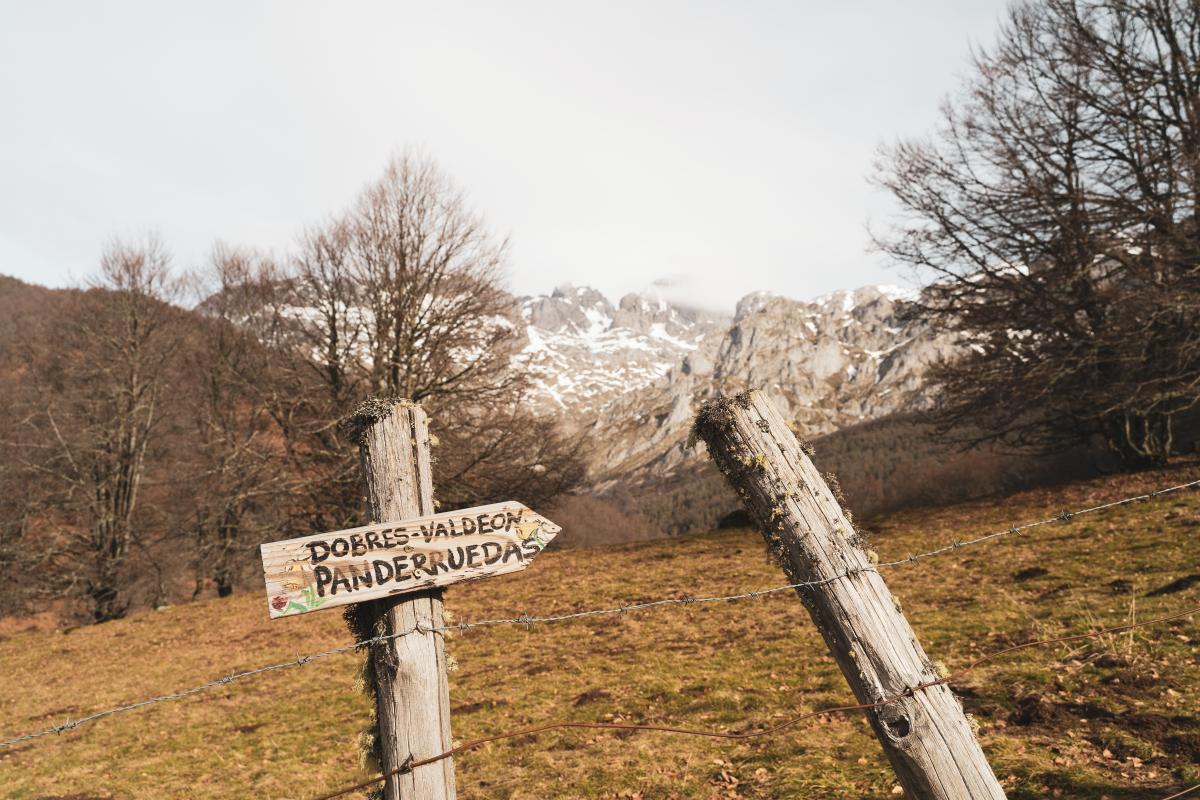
(582, 351)
(654, 316)
(753, 303)
(570, 309)
(830, 362)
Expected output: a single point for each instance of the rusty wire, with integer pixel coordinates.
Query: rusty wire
(412, 764)
(528, 620)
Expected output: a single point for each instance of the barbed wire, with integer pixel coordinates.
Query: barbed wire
(1064, 516)
(412, 764)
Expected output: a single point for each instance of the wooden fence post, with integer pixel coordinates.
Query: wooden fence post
(925, 735)
(407, 674)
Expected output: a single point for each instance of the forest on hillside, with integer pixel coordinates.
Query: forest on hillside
(147, 449)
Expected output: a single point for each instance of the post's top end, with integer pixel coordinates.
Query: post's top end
(717, 414)
(371, 411)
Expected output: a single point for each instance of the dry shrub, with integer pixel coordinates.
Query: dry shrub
(589, 521)
(883, 465)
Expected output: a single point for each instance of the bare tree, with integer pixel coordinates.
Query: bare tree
(500, 451)
(90, 436)
(1055, 213)
(401, 296)
(325, 284)
(427, 272)
(234, 484)
(16, 539)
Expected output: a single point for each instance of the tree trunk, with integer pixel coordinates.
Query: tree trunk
(1139, 441)
(224, 572)
(107, 603)
(924, 733)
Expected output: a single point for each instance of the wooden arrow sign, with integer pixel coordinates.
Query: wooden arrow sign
(335, 569)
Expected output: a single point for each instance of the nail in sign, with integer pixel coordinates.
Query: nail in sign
(326, 570)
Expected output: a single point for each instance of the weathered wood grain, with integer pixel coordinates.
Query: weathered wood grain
(327, 570)
(412, 696)
(925, 735)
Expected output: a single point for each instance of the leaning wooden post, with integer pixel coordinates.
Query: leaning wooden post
(407, 674)
(925, 734)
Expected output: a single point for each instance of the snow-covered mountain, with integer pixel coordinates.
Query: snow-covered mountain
(583, 352)
(631, 376)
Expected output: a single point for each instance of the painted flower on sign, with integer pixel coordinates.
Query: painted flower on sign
(530, 530)
(279, 603)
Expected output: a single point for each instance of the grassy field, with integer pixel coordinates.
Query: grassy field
(1113, 717)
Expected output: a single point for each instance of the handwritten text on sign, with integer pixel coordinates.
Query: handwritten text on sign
(334, 569)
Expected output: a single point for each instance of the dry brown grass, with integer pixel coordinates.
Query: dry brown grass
(1112, 718)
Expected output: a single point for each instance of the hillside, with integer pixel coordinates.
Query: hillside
(1109, 717)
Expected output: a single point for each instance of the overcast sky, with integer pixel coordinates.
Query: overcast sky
(724, 144)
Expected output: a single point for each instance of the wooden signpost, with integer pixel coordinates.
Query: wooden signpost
(392, 570)
(326, 570)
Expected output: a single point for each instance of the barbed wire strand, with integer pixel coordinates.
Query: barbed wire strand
(410, 765)
(1186, 791)
(1065, 516)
